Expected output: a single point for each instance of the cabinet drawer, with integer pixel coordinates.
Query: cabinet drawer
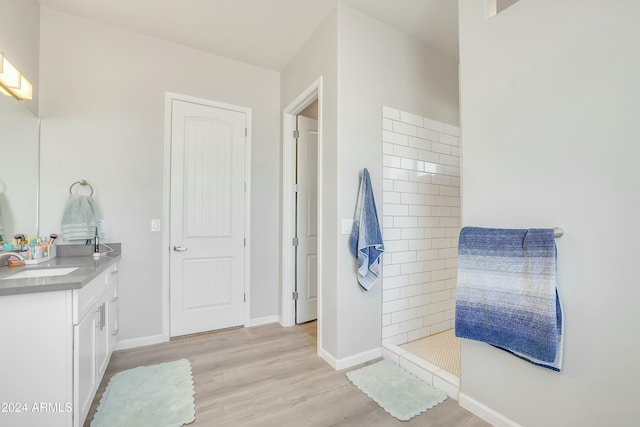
(88, 296)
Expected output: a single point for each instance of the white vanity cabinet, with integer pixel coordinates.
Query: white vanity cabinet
(54, 350)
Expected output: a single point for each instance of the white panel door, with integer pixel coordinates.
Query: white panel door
(307, 221)
(207, 218)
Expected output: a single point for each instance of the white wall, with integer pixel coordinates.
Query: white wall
(421, 224)
(20, 41)
(377, 65)
(102, 110)
(550, 102)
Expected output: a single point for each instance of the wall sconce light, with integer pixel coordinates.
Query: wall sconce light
(12, 82)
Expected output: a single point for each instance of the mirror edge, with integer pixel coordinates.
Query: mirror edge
(38, 163)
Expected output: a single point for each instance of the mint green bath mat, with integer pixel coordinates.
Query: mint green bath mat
(155, 396)
(397, 391)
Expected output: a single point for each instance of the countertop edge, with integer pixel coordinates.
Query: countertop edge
(31, 286)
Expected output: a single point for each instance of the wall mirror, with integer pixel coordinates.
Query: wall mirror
(19, 169)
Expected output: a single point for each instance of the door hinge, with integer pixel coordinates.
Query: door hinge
(296, 133)
(244, 242)
(294, 295)
(245, 297)
(295, 241)
(295, 188)
(246, 132)
(245, 187)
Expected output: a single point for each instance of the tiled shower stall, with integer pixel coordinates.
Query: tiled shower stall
(421, 224)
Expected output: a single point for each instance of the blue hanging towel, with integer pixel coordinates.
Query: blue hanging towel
(80, 218)
(365, 240)
(507, 294)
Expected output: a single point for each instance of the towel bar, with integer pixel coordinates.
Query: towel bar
(82, 182)
(558, 232)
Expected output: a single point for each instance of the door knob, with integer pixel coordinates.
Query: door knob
(179, 248)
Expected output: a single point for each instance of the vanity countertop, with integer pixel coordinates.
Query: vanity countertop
(88, 269)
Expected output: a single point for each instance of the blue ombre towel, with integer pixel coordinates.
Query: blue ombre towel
(365, 240)
(507, 294)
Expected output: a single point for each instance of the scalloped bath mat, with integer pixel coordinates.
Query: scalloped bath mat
(155, 396)
(397, 391)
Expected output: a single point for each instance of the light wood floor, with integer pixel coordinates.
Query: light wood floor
(272, 376)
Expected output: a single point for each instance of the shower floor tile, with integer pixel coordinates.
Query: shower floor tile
(442, 350)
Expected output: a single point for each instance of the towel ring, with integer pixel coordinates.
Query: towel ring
(82, 182)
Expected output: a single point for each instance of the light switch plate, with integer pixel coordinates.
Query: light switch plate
(155, 224)
(346, 226)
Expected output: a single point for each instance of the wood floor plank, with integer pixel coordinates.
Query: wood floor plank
(272, 376)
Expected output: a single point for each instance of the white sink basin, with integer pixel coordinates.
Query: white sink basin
(41, 272)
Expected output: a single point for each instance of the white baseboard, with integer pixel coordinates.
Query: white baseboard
(140, 342)
(258, 321)
(484, 412)
(327, 358)
(157, 339)
(347, 362)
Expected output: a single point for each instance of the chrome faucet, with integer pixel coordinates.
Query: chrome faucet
(9, 254)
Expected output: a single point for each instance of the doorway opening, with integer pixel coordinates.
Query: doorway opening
(422, 239)
(306, 214)
(302, 210)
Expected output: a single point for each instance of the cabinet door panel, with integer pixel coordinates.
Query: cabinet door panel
(86, 369)
(102, 337)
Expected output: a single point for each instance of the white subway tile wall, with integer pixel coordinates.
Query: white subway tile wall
(421, 224)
